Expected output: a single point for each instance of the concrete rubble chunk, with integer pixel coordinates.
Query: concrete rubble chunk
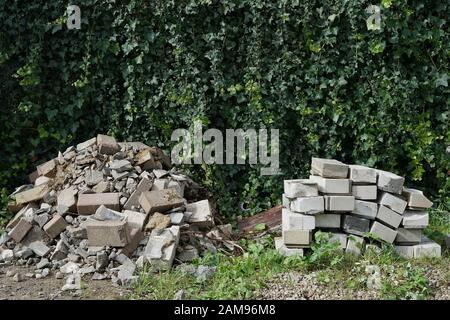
(20, 230)
(389, 182)
(329, 168)
(93, 177)
(89, 203)
(158, 221)
(160, 201)
(86, 144)
(285, 250)
(144, 185)
(39, 248)
(328, 220)
(145, 160)
(47, 169)
(365, 209)
(177, 218)
(339, 203)
(300, 188)
(135, 219)
(415, 220)
(121, 165)
(12, 223)
(112, 233)
(393, 202)
(107, 144)
(356, 225)
(362, 174)
(135, 236)
(364, 192)
(55, 226)
(329, 185)
(161, 248)
(201, 214)
(35, 194)
(160, 184)
(416, 198)
(383, 232)
(292, 221)
(389, 216)
(67, 198)
(426, 248)
(103, 213)
(310, 205)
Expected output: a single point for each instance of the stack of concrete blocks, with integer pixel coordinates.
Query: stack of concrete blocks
(351, 201)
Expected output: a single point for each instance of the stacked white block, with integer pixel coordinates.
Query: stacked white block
(351, 202)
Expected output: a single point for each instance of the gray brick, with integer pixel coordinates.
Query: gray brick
(362, 174)
(328, 185)
(339, 203)
(416, 198)
(393, 202)
(310, 205)
(356, 225)
(329, 168)
(328, 220)
(389, 216)
(300, 188)
(408, 236)
(384, 233)
(365, 209)
(390, 182)
(415, 219)
(364, 192)
(292, 221)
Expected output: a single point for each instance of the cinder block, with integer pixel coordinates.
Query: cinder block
(107, 144)
(389, 216)
(31, 195)
(356, 225)
(20, 230)
(339, 203)
(393, 202)
(390, 182)
(291, 220)
(427, 248)
(416, 199)
(362, 174)
(405, 251)
(408, 236)
(47, 169)
(365, 209)
(297, 237)
(55, 226)
(310, 205)
(363, 192)
(384, 233)
(160, 200)
(135, 236)
(415, 219)
(328, 220)
(285, 250)
(330, 168)
(135, 219)
(300, 188)
(89, 203)
(327, 185)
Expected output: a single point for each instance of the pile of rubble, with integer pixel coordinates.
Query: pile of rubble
(103, 208)
(351, 202)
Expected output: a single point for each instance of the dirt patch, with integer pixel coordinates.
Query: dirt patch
(49, 288)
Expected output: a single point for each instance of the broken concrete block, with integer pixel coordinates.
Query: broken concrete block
(101, 187)
(86, 144)
(362, 174)
(89, 203)
(339, 203)
(356, 225)
(144, 185)
(112, 233)
(408, 236)
(103, 213)
(390, 182)
(382, 232)
(145, 160)
(300, 188)
(135, 219)
(355, 245)
(160, 184)
(39, 248)
(310, 205)
(135, 236)
(93, 177)
(160, 201)
(188, 254)
(31, 195)
(427, 248)
(328, 220)
(291, 220)
(61, 251)
(416, 198)
(389, 216)
(121, 166)
(297, 237)
(158, 221)
(329, 168)
(68, 198)
(12, 223)
(177, 186)
(107, 144)
(393, 202)
(47, 169)
(201, 214)
(340, 238)
(43, 180)
(363, 192)
(365, 209)
(177, 218)
(415, 220)
(327, 185)
(20, 230)
(55, 226)
(161, 248)
(285, 250)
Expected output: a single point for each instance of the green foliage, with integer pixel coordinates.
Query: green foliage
(140, 69)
